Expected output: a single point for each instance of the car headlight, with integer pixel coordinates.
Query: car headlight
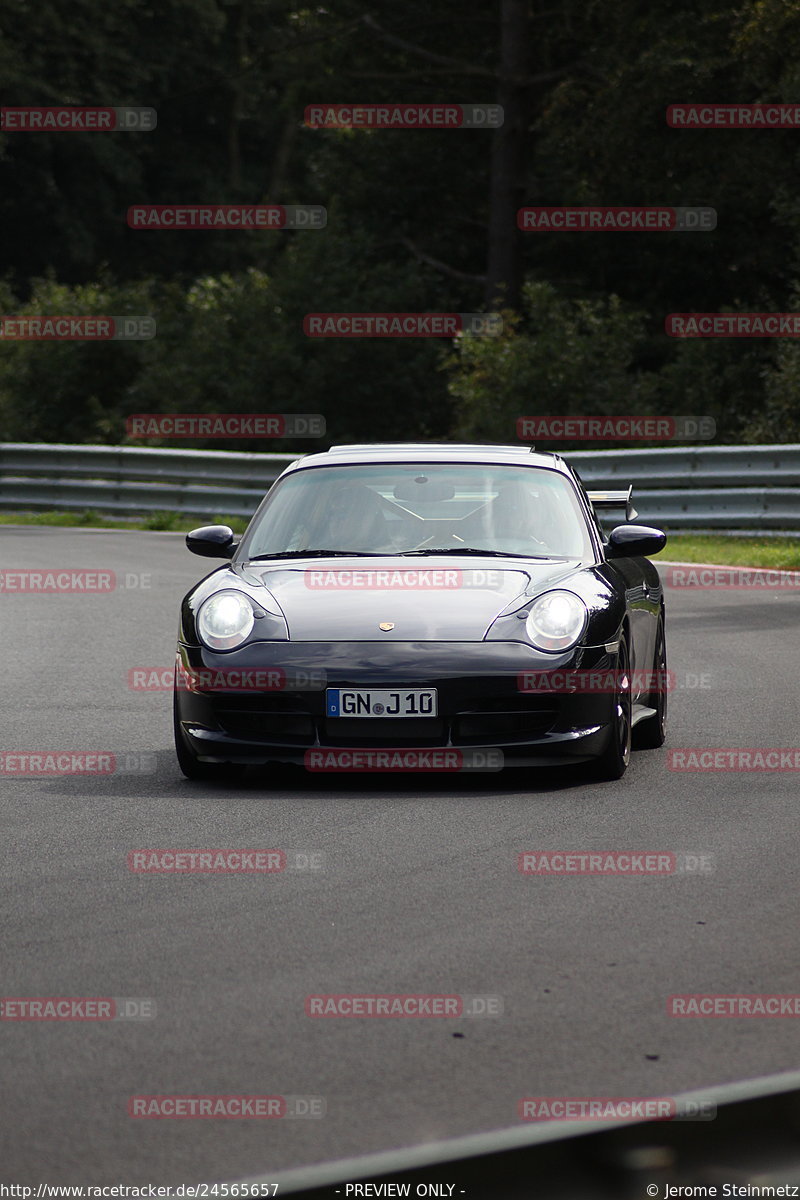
(556, 621)
(225, 620)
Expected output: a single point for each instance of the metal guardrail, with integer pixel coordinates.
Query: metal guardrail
(708, 487)
(752, 1140)
(696, 487)
(132, 480)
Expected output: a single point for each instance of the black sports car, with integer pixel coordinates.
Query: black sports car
(423, 607)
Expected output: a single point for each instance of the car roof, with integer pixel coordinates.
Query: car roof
(399, 452)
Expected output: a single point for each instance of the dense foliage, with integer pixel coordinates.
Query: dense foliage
(409, 214)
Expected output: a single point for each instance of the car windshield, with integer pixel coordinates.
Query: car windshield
(405, 508)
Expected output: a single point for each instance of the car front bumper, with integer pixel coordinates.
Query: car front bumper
(490, 696)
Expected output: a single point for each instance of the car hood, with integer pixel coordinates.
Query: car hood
(425, 600)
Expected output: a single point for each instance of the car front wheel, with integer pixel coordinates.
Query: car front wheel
(614, 760)
(652, 732)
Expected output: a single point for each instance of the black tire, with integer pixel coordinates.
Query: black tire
(188, 762)
(652, 732)
(613, 762)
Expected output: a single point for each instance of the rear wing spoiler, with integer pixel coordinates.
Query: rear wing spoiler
(615, 500)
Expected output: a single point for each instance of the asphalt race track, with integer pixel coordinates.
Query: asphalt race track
(419, 892)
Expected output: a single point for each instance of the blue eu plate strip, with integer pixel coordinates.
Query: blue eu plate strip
(332, 702)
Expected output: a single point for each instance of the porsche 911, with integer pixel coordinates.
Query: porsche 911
(424, 604)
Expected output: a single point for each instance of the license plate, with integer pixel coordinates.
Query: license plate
(358, 702)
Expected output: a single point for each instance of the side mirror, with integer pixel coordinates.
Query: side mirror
(634, 541)
(212, 541)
